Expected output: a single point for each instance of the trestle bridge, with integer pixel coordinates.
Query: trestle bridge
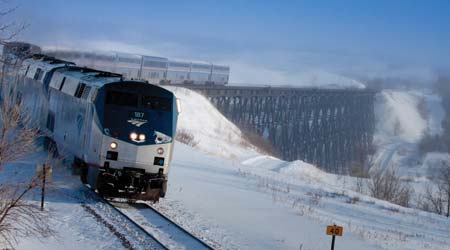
(331, 128)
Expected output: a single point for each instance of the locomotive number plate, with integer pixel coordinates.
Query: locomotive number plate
(138, 115)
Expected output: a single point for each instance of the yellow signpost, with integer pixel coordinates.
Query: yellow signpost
(334, 231)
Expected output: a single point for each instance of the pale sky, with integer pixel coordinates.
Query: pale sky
(262, 41)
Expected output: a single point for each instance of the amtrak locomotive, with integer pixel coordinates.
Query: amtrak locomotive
(121, 132)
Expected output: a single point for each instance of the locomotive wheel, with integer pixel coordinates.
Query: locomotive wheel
(163, 190)
(100, 186)
(104, 189)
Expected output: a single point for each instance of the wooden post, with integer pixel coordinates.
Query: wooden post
(332, 242)
(43, 186)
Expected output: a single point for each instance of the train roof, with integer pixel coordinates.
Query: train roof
(91, 76)
(155, 58)
(135, 59)
(50, 59)
(36, 62)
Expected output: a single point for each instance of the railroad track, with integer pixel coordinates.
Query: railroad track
(172, 234)
(148, 228)
(132, 235)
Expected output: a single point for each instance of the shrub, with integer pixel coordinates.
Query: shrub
(387, 186)
(185, 137)
(262, 144)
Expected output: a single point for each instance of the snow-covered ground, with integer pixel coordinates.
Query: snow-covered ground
(237, 198)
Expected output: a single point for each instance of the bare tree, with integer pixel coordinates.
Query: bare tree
(433, 200)
(444, 185)
(9, 29)
(185, 137)
(18, 216)
(387, 186)
(437, 199)
(17, 133)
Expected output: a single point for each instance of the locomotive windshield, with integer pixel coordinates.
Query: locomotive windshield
(156, 103)
(136, 107)
(122, 99)
(138, 101)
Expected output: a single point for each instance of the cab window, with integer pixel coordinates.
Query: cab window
(122, 99)
(156, 103)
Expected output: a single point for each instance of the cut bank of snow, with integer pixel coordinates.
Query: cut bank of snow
(212, 131)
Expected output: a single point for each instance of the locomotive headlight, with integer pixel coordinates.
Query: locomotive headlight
(113, 145)
(141, 137)
(160, 151)
(178, 105)
(133, 136)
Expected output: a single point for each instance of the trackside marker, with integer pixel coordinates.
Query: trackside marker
(334, 231)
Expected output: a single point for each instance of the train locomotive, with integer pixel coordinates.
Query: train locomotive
(121, 132)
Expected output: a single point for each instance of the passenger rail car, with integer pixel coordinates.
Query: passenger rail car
(156, 70)
(120, 131)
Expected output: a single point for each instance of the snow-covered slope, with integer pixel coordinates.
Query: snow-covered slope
(212, 132)
(397, 115)
(400, 128)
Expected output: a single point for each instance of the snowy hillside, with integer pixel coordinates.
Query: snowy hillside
(400, 108)
(213, 133)
(400, 126)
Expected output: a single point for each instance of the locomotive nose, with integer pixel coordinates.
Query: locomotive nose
(120, 154)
